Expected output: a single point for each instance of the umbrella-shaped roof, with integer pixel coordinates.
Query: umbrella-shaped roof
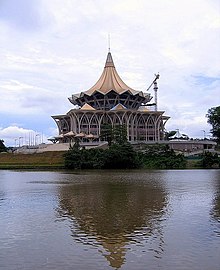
(110, 80)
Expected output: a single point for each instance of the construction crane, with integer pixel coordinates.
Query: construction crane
(157, 76)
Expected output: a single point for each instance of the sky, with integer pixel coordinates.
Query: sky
(51, 49)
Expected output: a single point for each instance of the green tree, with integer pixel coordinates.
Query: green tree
(2, 146)
(210, 159)
(119, 134)
(121, 156)
(106, 133)
(77, 158)
(213, 116)
(162, 157)
(116, 134)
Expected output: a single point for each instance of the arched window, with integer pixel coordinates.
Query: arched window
(150, 129)
(94, 125)
(65, 125)
(106, 119)
(115, 119)
(141, 130)
(84, 124)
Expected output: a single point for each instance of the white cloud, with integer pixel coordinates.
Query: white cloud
(18, 136)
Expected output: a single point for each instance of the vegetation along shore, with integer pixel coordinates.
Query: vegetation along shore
(112, 158)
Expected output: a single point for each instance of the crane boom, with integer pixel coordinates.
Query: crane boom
(157, 76)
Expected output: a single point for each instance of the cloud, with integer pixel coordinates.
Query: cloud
(18, 136)
(24, 15)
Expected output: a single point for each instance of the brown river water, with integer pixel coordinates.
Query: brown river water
(162, 219)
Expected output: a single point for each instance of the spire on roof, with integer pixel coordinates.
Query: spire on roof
(109, 61)
(109, 43)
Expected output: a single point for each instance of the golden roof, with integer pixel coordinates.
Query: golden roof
(110, 80)
(71, 133)
(90, 136)
(119, 106)
(87, 107)
(79, 135)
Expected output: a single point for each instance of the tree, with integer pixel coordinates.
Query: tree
(120, 134)
(213, 116)
(162, 157)
(116, 134)
(2, 146)
(121, 156)
(210, 159)
(106, 133)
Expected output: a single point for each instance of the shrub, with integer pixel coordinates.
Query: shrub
(162, 157)
(3, 148)
(209, 160)
(121, 156)
(117, 156)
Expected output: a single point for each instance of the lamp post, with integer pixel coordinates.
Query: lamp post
(16, 142)
(19, 141)
(42, 137)
(36, 142)
(204, 134)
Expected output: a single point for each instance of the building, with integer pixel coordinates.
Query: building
(111, 101)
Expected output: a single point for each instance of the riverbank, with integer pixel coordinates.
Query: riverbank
(50, 160)
(46, 160)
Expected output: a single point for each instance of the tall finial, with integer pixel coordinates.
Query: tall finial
(108, 42)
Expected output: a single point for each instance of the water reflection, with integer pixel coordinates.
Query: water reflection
(112, 212)
(215, 213)
(2, 197)
(216, 209)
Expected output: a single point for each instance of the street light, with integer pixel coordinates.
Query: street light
(42, 137)
(204, 134)
(16, 142)
(36, 138)
(19, 143)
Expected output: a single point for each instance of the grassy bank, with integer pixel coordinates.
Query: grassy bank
(46, 160)
(53, 160)
(193, 163)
